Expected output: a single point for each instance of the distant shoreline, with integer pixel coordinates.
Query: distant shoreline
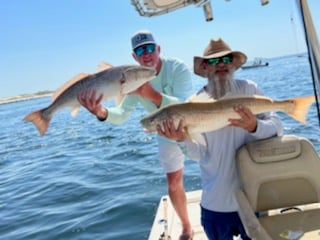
(5, 100)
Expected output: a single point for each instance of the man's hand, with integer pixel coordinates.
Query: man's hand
(168, 130)
(247, 121)
(90, 101)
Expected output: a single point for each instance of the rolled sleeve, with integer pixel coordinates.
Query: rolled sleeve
(268, 126)
(119, 114)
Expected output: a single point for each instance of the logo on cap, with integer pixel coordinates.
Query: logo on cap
(141, 38)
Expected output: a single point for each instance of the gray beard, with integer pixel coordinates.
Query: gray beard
(218, 87)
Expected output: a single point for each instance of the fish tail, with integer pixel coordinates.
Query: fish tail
(39, 121)
(301, 108)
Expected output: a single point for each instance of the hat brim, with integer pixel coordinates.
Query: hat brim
(144, 43)
(239, 59)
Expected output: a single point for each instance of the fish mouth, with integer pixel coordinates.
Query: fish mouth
(144, 122)
(147, 124)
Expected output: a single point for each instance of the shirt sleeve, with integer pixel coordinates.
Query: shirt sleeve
(193, 149)
(268, 124)
(181, 86)
(119, 114)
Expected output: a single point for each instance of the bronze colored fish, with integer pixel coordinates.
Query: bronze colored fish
(112, 82)
(199, 117)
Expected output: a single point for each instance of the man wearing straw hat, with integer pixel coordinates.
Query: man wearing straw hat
(219, 215)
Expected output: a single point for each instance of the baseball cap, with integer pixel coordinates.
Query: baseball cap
(142, 37)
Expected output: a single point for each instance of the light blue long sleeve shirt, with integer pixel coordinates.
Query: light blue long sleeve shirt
(174, 82)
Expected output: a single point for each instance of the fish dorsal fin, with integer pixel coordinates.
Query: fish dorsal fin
(68, 84)
(103, 66)
(201, 97)
(237, 96)
(75, 111)
(262, 97)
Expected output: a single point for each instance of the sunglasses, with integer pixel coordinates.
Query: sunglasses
(216, 61)
(148, 48)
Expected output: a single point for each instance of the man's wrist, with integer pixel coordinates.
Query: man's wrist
(103, 118)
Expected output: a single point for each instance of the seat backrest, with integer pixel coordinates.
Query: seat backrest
(279, 172)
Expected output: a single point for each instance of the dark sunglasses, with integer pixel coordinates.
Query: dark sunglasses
(216, 61)
(148, 48)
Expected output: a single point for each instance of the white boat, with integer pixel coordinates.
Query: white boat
(285, 193)
(166, 223)
(281, 181)
(257, 62)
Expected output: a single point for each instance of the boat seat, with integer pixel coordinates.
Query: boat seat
(281, 188)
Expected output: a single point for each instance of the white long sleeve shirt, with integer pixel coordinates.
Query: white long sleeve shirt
(217, 159)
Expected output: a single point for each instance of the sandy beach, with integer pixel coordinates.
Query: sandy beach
(24, 97)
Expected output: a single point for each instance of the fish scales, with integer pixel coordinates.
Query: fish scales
(209, 116)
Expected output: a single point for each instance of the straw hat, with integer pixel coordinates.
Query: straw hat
(217, 48)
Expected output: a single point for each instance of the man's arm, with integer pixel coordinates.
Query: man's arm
(115, 115)
(148, 92)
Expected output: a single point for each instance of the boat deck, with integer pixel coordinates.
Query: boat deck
(173, 228)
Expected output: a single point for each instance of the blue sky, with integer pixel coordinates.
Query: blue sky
(44, 43)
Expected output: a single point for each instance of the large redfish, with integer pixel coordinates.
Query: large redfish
(199, 117)
(112, 82)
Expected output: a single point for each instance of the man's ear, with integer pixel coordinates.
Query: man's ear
(204, 66)
(134, 56)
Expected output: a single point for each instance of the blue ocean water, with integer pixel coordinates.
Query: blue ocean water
(90, 180)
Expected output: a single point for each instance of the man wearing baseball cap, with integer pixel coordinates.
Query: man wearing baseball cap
(172, 84)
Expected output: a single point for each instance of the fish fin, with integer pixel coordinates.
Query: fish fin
(262, 97)
(68, 84)
(301, 107)
(198, 137)
(103, 66)
(119, 99)
(39, 121)
(75, 111)
(237, 96)
(201, 97)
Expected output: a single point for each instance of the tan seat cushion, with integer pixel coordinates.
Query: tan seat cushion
(306, 221)
(274, 170)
